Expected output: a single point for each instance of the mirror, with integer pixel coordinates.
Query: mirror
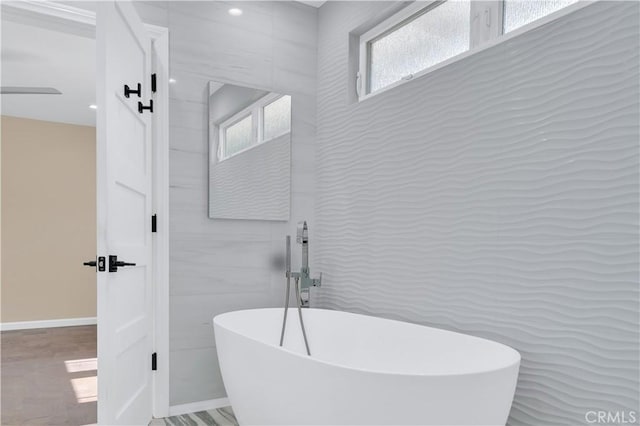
(249, 153)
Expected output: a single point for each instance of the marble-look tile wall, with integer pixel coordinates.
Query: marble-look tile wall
(222, 265)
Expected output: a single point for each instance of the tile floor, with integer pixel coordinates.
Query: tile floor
(221, 416)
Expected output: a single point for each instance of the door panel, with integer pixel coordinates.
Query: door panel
(124, 211)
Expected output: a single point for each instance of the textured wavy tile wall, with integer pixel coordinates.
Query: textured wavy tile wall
(497, 196)
(255, 184)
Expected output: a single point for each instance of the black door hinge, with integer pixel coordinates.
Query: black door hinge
(153, 82)
(154, 223)
(154, 361)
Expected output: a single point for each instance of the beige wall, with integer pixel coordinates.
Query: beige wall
(48, 220)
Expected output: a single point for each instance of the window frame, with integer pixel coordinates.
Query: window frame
(486, 30)
(256, 112)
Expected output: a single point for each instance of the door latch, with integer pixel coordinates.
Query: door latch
(114, 263)
(100, 264)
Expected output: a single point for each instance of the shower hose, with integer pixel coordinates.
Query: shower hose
(286, 309)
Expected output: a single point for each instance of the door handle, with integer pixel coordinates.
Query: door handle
(93, 263)
(114, 263)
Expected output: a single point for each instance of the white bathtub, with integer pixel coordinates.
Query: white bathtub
(363, 371)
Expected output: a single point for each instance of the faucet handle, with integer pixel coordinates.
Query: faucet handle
(317, 282)
(302, 233)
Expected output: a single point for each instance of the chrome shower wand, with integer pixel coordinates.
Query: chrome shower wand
(288, 275)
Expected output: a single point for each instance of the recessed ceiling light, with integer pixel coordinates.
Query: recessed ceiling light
(93, 106)
(235, 11)
(172, 80)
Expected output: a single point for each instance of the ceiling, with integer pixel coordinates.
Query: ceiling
(35, 56)
(40, 55)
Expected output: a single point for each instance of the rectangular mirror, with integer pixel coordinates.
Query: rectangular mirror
(249, 153)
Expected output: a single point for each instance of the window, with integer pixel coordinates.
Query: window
(431, 36)
(262, 121)
(277, 118)
(237, 136)
(427, 33)
(518, 12)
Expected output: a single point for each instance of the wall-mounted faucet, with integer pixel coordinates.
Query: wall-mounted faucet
(303, 281)
(304, 276)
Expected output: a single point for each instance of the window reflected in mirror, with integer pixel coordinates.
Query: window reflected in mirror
(250, 153)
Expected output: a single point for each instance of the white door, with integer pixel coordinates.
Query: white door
(124, 215)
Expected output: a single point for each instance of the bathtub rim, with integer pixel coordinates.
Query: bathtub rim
(513, 363)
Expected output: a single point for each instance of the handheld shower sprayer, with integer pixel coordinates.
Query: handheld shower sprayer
(287, 264)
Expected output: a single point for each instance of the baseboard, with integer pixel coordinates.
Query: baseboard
(193, 407)
(65, 322)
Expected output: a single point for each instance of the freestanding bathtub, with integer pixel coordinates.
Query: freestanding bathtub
(362, 371)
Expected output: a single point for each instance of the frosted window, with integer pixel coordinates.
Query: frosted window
(520, 12)
(277, 118)
(430, 38)
(238, 136)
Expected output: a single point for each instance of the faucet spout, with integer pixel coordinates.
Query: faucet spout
(302, 237)
(304, 276)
